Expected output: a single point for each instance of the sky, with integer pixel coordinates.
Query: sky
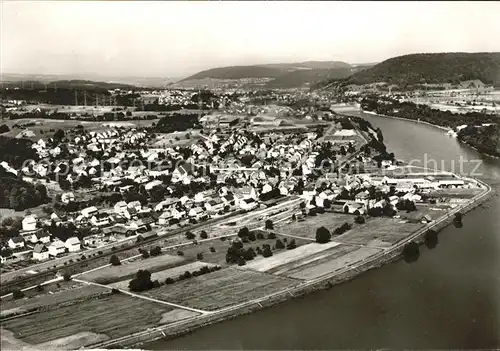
(178, 38)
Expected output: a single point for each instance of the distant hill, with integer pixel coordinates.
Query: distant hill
(10, 79)
(433, 68)
(238, 72)
(305, 77)
(279, 75)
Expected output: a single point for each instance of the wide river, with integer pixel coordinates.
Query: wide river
(448, 299)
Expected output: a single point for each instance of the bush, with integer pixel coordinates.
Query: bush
(17, 294)
(360, 220)
(114, 260)
(294, 217)
(199, 256)
(99, 252)
(169, 281)
(243, 232)
(291, 245)
(323, 235)
(251, 236)
(266, 252)
(269, 224)
(115, 291)
(187, 274)
(113, 248)
(203, 235)
(241, 261)
(190, 235)
(260, 236)
(156, 251)
(271, 236)
(180, 253)
(67, 276)
(279, 244)
(212, 249)
(145, 254)
(39, 288)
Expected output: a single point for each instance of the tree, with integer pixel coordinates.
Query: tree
(141, 282)
(291, 245)
(266, 251)
(156, 251)
(243, 232)
(169, 280)
(145, 254)
(279, 244)
(67, 276)
(212, 249)
(269, 224)
(114, 260)
(17, 294)
(199, 256)
(360, 220)
(59, 135)
(190, 235)
(323, 235)
(203, 235)
(39, 288)
(271, 235)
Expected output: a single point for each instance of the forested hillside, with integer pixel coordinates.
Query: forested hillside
(433, 68)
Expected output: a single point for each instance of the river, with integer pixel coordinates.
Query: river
(448, 299)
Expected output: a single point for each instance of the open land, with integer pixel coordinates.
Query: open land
(222, 288)
(111, 316)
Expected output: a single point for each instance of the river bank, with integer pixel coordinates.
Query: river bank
(432, 125)
(390, 255)
(400, 305)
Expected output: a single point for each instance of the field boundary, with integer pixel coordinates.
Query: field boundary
(390, 254)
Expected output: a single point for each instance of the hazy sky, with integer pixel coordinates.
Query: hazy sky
(177, 38)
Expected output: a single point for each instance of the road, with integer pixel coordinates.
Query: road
(301, 286)
(233, 229)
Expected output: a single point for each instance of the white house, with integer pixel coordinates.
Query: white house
(100, 219)
(120, 207)
(67, 197)
(57, 248)
(29, 223)
(40, 237)
(16, 242)
(40, 252)
(214, 205)
(248, 204)
(165, 218)
(353, 207)
(89, 211)
(72, 244)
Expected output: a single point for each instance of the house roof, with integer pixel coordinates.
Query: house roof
(17, 239)
(39, 248)
(73, 241)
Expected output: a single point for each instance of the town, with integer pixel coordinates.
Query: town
(268, 197)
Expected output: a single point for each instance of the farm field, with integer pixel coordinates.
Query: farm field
(128, 269)
(112, 316)
(307, 228)
(262, 264)
(219, 256)
(330, 261)
(67, 292)
(174, 272)
(220, 289)
(378, 232)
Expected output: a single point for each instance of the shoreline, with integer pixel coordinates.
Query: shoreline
(327, 281)
(432, 125)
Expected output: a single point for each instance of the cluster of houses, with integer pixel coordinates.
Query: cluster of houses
(32, 238)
